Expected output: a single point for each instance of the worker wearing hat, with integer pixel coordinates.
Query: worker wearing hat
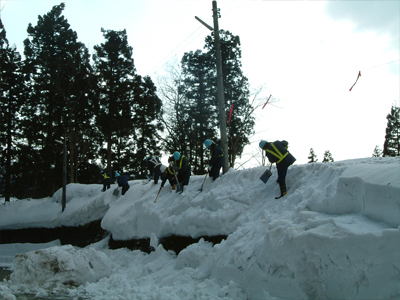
(168, 173)
(277, 152)
(106, 178)
(182, 166)
(216, 158)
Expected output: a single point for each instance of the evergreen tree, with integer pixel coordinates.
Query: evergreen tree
(114, 67)
(312, 157)
(147, 124)
(81, 107)
(199, 118)
(236, 91)
(60, 104)
(327, 157)
(391, 146)
(377, 152)
(12, 93)
(130, 110)
(192, 107)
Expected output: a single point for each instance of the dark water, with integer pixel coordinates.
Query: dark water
(4, 273)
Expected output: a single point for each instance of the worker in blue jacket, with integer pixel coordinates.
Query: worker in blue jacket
(153, 165)
(216, 159)
(277, 152)
(122, 181)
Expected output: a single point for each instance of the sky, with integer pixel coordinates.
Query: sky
(336, 236)
(306, 54)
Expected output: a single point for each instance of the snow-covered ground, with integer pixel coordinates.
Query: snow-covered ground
(336, 235)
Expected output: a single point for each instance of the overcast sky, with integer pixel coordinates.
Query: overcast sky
(307, 53)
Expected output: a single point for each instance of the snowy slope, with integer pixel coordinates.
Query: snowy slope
(336, 235)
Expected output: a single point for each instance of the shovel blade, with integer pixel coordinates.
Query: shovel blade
(116, 192)
(265, 176)
(178, 188)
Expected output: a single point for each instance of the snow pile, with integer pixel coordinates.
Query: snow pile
(301, 255)
(371, 189)
(335, 235)
(366, 186)
(61, 265)
(9, 250)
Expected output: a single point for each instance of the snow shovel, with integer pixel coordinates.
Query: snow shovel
(201, 189)
(266, 175)
(178, 185)
(116, 192)
(146, 181)
(158, 194)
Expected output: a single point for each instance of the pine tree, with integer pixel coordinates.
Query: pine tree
(130, 110)
(147, 124)
(391, 146)
(327, 157)
(60, 103)
(199, 111)
(114, 67)
(236, 92)
(193, 108)
(81, 106)
(377, 152)
(312, 157)
(12, 93)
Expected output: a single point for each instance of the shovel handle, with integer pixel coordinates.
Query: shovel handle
(201, 189)
(158, 193)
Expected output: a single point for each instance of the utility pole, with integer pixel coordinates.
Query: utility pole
(220, 87)
(220, 84)
(64, 175)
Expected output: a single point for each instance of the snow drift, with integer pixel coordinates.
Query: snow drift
(335, 235)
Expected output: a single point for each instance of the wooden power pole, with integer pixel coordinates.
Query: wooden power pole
(220, 84)
(220, 87)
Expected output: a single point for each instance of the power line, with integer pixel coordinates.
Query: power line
(384, 64)
(177, 49)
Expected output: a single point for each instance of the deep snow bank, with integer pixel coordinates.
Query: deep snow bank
(85, 204)
(286, 247)
(335, 235)
(336, 188)
(370, 187)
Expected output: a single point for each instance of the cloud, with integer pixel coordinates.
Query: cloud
(382, 17)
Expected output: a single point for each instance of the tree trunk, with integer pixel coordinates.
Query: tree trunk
(109, 144)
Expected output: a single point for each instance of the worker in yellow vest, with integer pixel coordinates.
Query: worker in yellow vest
(181, 165)
(277, 152)
(106, 177)
(168, 173)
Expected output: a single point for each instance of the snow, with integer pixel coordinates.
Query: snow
(335, 235)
